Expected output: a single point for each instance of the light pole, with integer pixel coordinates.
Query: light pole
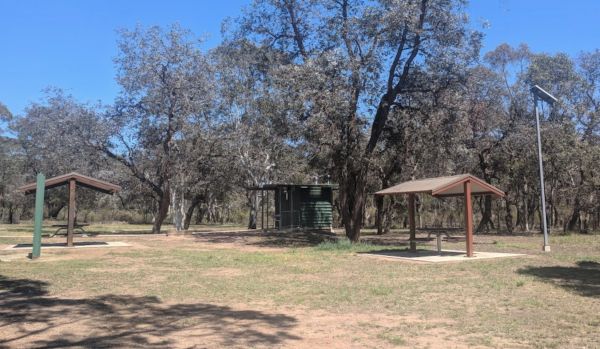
(539, 93)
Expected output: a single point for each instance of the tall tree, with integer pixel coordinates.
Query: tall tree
(52, 137)
(166, 91)
(260, 138)
(352, 62)
(11, 168)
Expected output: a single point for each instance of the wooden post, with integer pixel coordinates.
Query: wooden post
(411, 222)
(39, 216)
(71, 223)
(267, 210)
(468, 218)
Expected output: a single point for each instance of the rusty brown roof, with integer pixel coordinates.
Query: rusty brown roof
(443, 186)
(82, 180)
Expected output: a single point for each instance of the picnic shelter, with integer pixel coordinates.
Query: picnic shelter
(73, 180)
(465, 185)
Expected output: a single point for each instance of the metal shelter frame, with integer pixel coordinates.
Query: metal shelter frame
(465, 185)
(72, 180)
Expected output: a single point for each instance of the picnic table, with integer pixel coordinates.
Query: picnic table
(78, 226)
(438, 232)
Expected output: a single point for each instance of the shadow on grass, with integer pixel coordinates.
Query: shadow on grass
(29, 317)
(584, 279)
(63, 244)
(267, 238)
(46, 231)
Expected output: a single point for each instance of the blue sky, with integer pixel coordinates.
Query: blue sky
(70, 43)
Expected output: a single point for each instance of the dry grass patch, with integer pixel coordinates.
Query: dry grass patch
(331, 295)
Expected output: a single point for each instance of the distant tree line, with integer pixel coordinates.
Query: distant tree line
(365, 93)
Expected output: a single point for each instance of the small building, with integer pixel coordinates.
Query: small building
(289, 206)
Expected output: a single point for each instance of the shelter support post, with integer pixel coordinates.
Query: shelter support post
(71, 223)
(39, 216)
(468, 218)
(411, 222)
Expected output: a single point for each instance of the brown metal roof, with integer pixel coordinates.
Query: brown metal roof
(81, 180)
(443, 186)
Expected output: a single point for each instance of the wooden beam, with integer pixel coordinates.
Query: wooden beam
(468, 218)
(411, 222)
(71, 225)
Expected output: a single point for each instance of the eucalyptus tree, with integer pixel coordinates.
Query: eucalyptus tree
(486, 126)
(498, 105)
(562, 162)
(260, 138)
(11, 168)
(203, 173)
(52, 135)
(351, 63)
(166, 92)
(5, 118)
(11, 176)
(503, 131)
(587, 118)
(588, 65)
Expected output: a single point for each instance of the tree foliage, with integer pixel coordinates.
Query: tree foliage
(367, 93)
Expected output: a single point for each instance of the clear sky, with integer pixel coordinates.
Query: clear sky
(70, 43)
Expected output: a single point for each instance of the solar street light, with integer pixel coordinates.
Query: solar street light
(540, 94)
(543, 95)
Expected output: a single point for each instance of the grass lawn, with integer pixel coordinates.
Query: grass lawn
(239, 289)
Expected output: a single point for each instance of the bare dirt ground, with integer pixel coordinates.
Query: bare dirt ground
(265, 289)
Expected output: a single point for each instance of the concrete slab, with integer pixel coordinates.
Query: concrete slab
(63, 245)
(429, 256)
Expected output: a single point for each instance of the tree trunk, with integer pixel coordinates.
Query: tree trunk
(177, 209)
(252, 205)
(54, 210)
(188, 217)
(200, 214)
(190, 212)
(486, 222)
(352, 199)
(575, 216)
(520, 216)
(388, 214)
(162, 210)
(508, 218)
(379, 201)
(15, 217)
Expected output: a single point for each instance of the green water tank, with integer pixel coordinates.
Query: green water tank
(304, 206)
(316, 207)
